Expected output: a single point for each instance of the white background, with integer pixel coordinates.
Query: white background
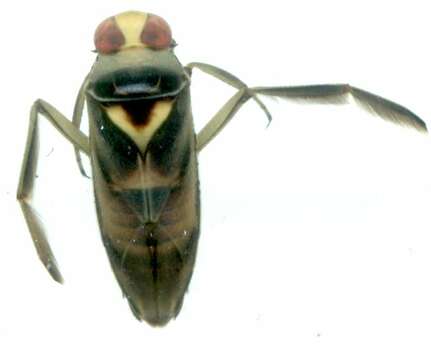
(316, 240)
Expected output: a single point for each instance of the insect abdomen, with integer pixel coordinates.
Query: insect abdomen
(153, 262)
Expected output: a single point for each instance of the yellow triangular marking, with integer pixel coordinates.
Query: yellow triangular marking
(141, 135)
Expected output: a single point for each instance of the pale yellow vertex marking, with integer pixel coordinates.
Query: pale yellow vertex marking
(141, 135)
(131, 24)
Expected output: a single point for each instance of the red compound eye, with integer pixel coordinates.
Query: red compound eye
(157, 33)
(108, 37)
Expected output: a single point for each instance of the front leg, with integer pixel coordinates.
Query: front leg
(76, 120)
(28, 174)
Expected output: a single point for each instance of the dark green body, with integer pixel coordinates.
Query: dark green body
(147, 199)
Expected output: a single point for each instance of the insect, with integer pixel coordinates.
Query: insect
(143, 151)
